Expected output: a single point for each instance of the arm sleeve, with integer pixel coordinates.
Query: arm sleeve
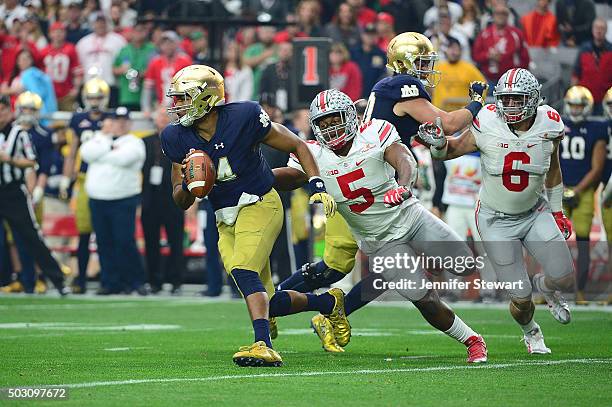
(169, 147)
(260, 124)
(95, 148)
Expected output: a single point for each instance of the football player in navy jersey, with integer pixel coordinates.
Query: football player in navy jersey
(84, 124)
(402, 100)
(248, 210)
(606, 199)
(582, 156)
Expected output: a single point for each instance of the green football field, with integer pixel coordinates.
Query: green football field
(177, 352)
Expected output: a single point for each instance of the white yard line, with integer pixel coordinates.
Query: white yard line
(330, 373)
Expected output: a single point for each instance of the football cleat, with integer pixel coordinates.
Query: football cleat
(40, 287)
(556, 303)
(273, 328)
(14, 287)
(77, 289)
(338, 319)
(476, 349)
(580, 300)
(534, 340)
(257, 355)
(324, 330)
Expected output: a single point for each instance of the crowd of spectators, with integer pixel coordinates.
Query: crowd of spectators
(51, 47)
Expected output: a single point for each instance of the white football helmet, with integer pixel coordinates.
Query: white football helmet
(517, 95)
(330, 102)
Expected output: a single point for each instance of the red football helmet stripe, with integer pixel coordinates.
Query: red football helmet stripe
(322, 100)
(511, 78)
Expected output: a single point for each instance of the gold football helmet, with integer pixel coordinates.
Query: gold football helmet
(27, 108)
(195, 90)
(412, 53)
(607, 104)
(578, 103)
(96, 93)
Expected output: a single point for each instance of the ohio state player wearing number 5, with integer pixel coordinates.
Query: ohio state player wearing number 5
(518, 140)
(359, 166)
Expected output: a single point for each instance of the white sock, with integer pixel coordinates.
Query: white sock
(460, 331)
(530, 326)
(539, 282)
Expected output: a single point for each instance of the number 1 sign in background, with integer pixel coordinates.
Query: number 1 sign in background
(311, 60)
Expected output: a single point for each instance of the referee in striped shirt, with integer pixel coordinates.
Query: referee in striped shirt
(17, 155)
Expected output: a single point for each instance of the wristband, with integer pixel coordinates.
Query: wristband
(555, 198)
(184, 186)
(315, 185)
(474, 107)
(439, 152)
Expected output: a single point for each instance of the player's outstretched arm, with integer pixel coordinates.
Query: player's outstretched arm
(288, 179)
(445, 148)
(283, 139)
(182, 198)
(423, 111)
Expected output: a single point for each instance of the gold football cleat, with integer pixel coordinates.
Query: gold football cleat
(338, 319)
(273, 328)
(14, 287)
(40, 287)
(257, 355)
(324, 330)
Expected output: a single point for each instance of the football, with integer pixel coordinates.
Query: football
(200, 173)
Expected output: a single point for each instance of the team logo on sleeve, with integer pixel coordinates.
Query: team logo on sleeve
(409, 91)
(264, 118)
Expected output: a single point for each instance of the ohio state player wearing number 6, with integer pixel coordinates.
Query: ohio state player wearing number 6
(518, 140)
(359, 166)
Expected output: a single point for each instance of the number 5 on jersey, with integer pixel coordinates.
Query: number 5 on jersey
(345, 180)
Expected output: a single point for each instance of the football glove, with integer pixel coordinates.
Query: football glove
(564, 224)
(478, 92)
(318, 194)
(432, 133)
(570, 198)
(64, 186)
(396, 196)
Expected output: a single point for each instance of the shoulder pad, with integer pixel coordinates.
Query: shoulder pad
(485, 118)
(401, 87)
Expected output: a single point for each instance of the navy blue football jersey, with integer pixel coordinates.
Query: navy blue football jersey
(389, 91)
(576, 148)
(84, 127)
(42, 139)
(608, 168)
(234, 150)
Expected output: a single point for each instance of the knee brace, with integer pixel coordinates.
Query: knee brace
(248, 282)
(317, 275)
(522, 304)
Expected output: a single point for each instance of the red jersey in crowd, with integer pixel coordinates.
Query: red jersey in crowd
(509, 42)
(593, 69)
(61, 64)
(347, 79)
(541, 29)
(161, 70)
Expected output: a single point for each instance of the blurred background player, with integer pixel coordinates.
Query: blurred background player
(606, 198)
(84, 125)
(582, 154)
(248, 209)
(512, 212)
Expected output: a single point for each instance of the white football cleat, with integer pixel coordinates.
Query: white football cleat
(556, 303)
(534, 340)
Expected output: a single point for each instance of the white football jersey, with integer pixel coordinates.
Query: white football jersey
(358, 182)
(514, 164)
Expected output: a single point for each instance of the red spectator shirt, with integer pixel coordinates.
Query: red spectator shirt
(61, 64)
(541, 29)
(509, 41)
(347, 79)
(594, 70)
(10, 46)
(366, 16)
(161, 70)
